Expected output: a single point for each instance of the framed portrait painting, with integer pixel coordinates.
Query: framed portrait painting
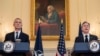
(49, 15)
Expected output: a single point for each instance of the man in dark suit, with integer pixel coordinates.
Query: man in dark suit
(11, 37)
(86, 36)
(17, 35)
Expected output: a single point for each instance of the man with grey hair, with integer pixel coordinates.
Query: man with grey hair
(17, 35)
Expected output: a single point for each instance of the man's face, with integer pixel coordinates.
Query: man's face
(18, 24)
(49, 9)
(85, 28)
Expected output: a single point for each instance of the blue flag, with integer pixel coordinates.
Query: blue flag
(38, 49)
(61, 45)
(80, 30)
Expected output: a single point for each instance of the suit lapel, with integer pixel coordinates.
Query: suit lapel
(90, 37)
(20, 36)
(13, 37)
(81, 38)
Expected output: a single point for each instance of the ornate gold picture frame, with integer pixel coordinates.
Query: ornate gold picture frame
(49, 37)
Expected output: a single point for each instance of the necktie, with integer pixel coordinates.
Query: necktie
(16, 35)
(86, 39)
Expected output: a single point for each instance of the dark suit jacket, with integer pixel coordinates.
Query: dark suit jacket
(81, 38)
(10, 37)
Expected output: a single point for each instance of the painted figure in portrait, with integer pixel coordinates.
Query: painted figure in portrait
(48, 14)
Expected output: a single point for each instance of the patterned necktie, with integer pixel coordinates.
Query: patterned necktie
(16, 35)
(86, 39)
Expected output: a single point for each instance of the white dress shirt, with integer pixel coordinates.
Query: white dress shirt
(16, 34)
(88, 36)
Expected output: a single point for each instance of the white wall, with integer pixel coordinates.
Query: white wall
(80, 10)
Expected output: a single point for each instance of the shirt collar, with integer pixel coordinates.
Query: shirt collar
(85, 35)
(18, 31)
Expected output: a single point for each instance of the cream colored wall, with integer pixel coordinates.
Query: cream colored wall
(85, 10)
(80, 10)
(11, 9)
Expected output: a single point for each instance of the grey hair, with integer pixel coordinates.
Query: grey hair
(51, 6)
(17, 19)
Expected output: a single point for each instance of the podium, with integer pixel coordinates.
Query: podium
(20, 48)
(82, 49)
